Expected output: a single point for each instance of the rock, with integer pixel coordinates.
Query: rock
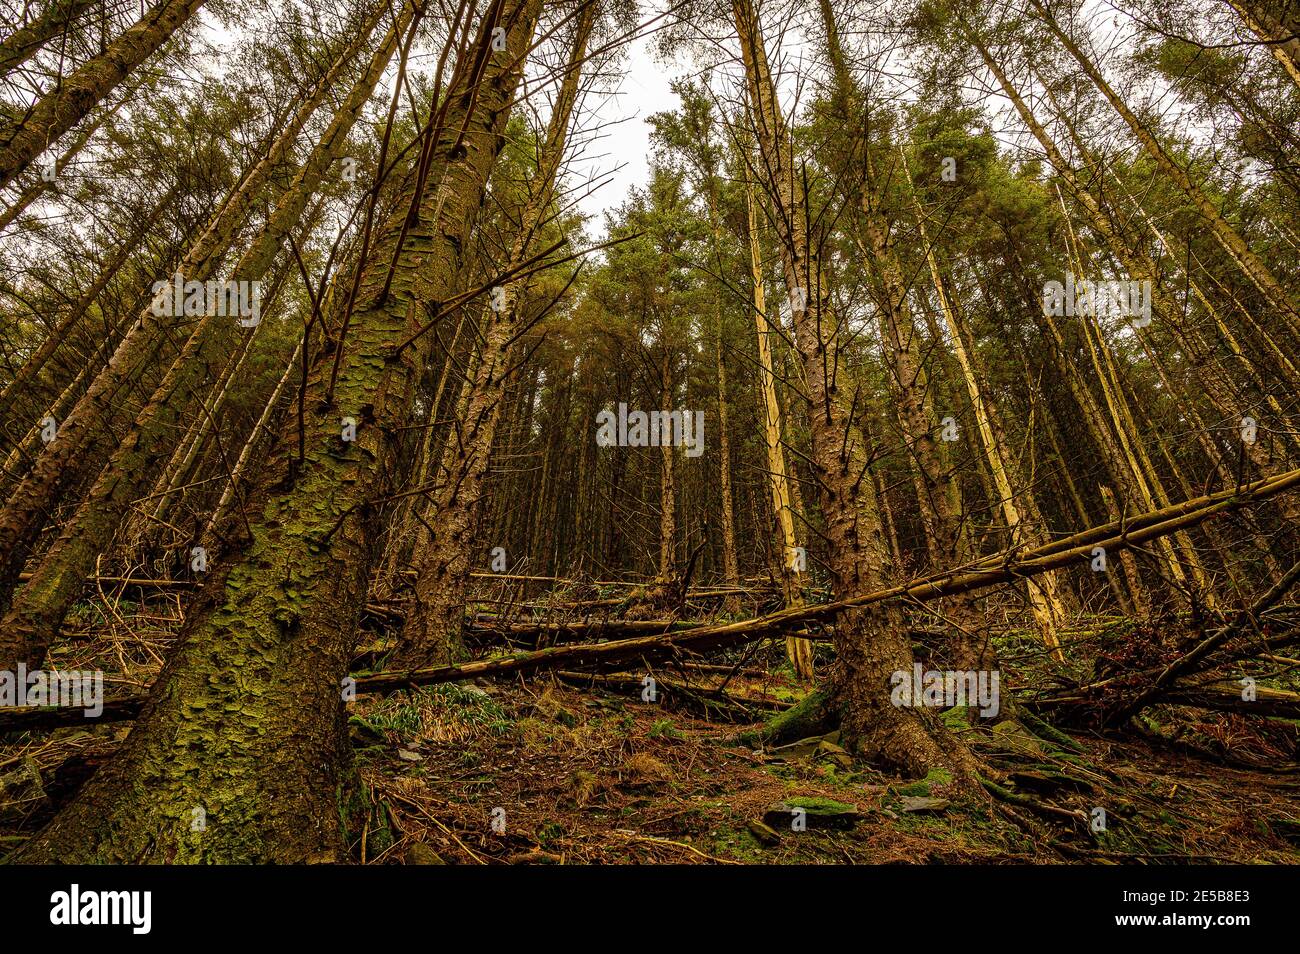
(923, 805)
(765, 834)
(817, 812)
(421, 854)
(803, 749)
(830, 752)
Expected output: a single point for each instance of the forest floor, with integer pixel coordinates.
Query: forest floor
(575, 769)
(584, 775)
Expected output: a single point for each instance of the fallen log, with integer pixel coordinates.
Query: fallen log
(700, 694)
(1158, 684)
(1226, 696)
(1192, 656)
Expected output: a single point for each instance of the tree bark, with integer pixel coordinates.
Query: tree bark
(792, 559)
(432, 632)
(1255, 270)
(23, 43)
(207, 344)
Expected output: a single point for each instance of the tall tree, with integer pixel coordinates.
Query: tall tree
(273, 634)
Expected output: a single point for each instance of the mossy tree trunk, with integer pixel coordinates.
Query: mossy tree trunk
(246, 722)
(33, 621)
(61, 460)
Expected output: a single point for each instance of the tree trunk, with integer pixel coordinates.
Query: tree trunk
(208, 344)
(1258, 273)
(1278, 37)
(792, 559)
(24, 43)
(33, 620)
(1044, 597)
(246, 722)
(432, 632)
(871, 643)
(730, 565)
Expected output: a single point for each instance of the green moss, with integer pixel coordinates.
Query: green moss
(957, 719)
(812, 716)
(935, 778)
(664, 728)
(813, 804)
(740, 844)
(548, 833)
(1048, 732)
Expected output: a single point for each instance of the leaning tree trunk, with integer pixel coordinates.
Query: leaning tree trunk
(1280, 39)
(71, 99)
(1044, 596)
(432, 631)
(22, 44)
(245, 728)
(1259, 274)
(33, 620)
(40, 184)
(58, 335)
(206, 345)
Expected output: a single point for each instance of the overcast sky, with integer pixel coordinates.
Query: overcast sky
(642, 91)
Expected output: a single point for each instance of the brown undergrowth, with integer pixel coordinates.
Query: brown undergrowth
(569, 768)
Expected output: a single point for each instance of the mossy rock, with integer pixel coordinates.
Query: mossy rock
(1019, 740)
(764, 834)
(421, 854)
(957, 719)
(818, 812)
(803, 749)
(664, 729)
(830, 752)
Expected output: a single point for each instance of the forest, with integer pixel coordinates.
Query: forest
(718, 432)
